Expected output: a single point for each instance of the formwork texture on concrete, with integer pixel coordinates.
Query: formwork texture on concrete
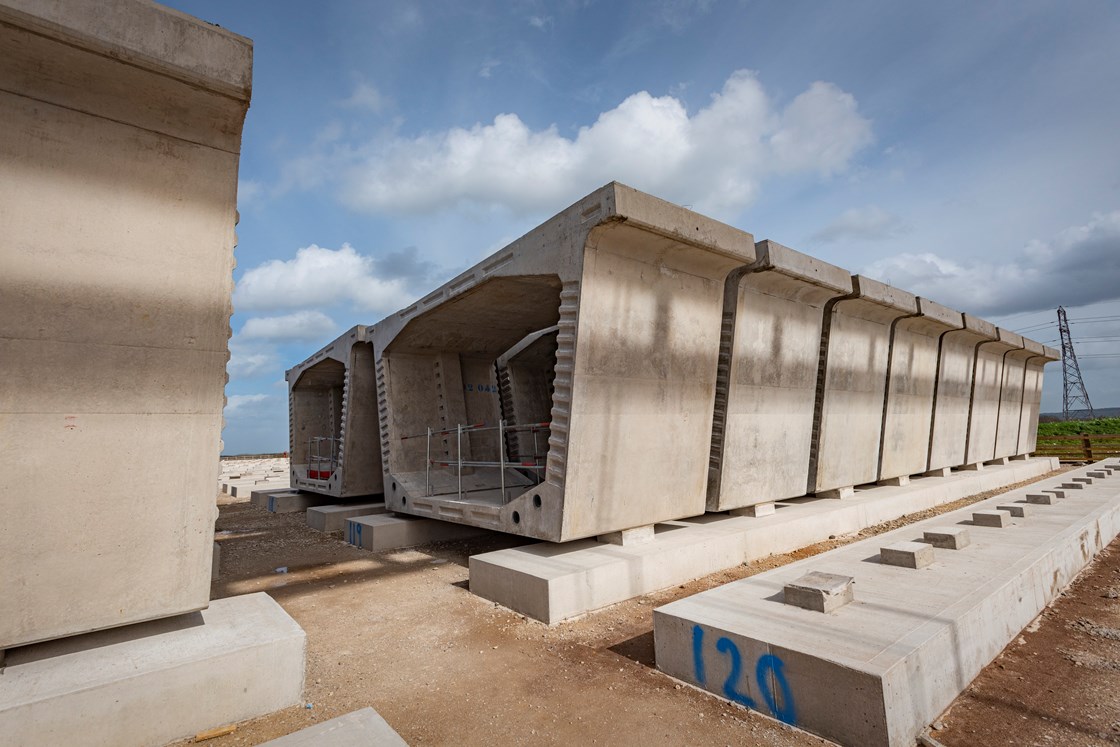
(332, 396)
(553, 583)
(152, 683)
(879, 669)
(119, 148)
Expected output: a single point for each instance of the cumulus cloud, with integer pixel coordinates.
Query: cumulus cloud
(366, 97)
(255, 423)
(240, 403)
(1078, 266)
(317, 276)
(248, 360)
(302, 326)
(871, 223)
(715, 159)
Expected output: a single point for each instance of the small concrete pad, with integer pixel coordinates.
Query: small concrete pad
(389, 531)
(259, 498)
(819, 592)
(907, 554)
(1098, 473)
(155, 682)
(939, 472)
(1018, 510)
(947, 538)
(896, 481)
(991, 518)
(290, 503)
(1043, 499)
(628, 537)
(759, 509)
(1083, 480)
(361, 728)
(1056, 493)
(1071, 486)
(845, 492)
(332, 517)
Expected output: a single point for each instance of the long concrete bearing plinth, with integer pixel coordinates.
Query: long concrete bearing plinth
(155, 682)
(555, 582)
(877, 669)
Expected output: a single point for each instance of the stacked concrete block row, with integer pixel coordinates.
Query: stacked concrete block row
(631, 362)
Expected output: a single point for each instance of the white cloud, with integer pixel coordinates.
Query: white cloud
(366, 97)
(487, 68)
(1081, 265)
(249, 191)
(715, 159)
(540, 22)
(870, 223)
(255, 423)
(302, 326)
(248, 360)
(319, 277)
(240, 403)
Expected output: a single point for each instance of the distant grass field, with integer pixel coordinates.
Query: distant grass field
(1076, 427)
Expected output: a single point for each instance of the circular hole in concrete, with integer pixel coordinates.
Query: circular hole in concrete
(536, 501)
(404, 500)
(394, 487)
(516, 518)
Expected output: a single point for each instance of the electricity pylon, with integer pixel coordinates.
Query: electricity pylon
(1073, 386)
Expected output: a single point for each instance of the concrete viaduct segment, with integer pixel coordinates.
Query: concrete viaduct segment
(630, 362)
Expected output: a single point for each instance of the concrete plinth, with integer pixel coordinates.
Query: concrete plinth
(947, 538)
(878, 670)
(994, 518)
(1042, 499)
(552, 582)
(907, 554)
(155, 682)
(361, 728)
(820, 592)
(628, 537)
(332, 517)
(1018, 510)
(290, 503)
(390, 531)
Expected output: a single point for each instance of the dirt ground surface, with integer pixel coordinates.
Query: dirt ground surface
(399, 631)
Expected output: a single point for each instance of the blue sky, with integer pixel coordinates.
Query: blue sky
(964, 151)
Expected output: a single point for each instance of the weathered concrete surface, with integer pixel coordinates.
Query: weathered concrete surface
(119, 149)
(259, 498)
(332, 518)
(855, 353)
(878, 670)
(151, 683)
(361, 728)
(386, 531)
(333, 394)
(1032, 397)
(954, 391)
(1012, 397)
(553, 583)
(765, 392)
(291, 503)
(635, 287)
(912, 384)
(987, 386)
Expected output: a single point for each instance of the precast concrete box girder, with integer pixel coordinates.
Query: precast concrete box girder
(957, 365)
(987, 389)
(633, 286)
(911, 387)
(770, 346)
(855, 352)
(333, 429)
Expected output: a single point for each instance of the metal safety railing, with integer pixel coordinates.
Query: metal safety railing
(534, 461)
(317, 460)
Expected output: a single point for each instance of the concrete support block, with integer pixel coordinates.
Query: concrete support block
(555, 582)
(939, 472)
(896, 481)
(1020, 457)
(1018, 510)
(838, 493)
(907, 554)
(947, 538)
(155, 682)
(998, 460)
(628, 537)
(1071, 486)
(1056, 493)
(361, 728)
(819, 592)
(332, 517)
(973, 467)
(1098, 473)
(991, 518)
(259, 498)
(290, 503)
(759, 509)
(1083, 480)
(1042, 499)
(391, 531)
